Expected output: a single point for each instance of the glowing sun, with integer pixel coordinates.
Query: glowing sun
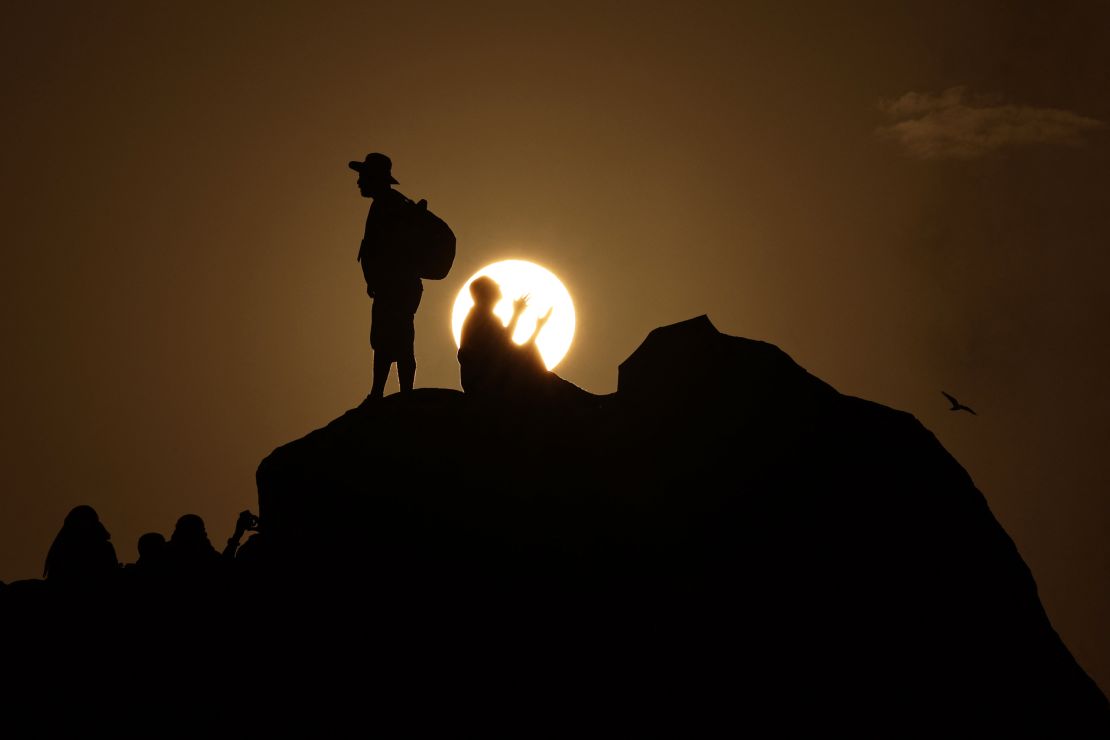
(544, 291)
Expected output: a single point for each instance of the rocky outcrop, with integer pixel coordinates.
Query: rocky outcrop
(725, 526)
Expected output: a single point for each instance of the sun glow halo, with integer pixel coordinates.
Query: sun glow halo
(544, 291)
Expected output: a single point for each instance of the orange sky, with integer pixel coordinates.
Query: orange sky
(181, 294)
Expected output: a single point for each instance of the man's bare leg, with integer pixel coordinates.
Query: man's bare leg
(381, 374)
(406, 373)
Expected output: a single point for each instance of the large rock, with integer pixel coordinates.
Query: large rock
(725, 525)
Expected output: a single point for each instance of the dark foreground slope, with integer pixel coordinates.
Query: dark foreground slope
(726, 528)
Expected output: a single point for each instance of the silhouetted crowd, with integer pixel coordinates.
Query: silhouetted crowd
(82, 556)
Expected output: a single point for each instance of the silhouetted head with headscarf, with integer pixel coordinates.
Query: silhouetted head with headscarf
(189, 547)
(82, 551)
(190, 532)
(486, 293)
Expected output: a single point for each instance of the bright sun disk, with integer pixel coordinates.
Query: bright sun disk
(544, 291)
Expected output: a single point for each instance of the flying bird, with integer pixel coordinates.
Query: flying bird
(957, 406)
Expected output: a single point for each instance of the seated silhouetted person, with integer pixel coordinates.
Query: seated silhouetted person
(490, 362)
(82, 552)
(189, 552)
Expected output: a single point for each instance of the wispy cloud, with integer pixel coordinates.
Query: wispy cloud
(958, 125)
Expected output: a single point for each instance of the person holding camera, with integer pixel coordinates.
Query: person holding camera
(247, 522)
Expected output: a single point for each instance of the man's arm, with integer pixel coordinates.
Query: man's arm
(540, 322)
(518, 308)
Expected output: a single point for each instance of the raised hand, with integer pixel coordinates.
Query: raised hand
(247, 522)
(539, 325)
(520, 304)
(543, 319)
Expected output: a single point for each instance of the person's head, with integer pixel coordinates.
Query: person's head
(81, 517)
(486, 292)
(190, 529)
(374, 174)
(152, 546)
(81, 531)
(83, 523)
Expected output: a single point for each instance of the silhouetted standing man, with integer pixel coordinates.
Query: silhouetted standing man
(391, 279)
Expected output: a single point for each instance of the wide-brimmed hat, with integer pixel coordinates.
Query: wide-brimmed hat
(375, 167)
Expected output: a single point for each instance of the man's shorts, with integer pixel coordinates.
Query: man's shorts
(391, 330)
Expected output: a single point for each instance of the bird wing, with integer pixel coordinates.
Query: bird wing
(951, 400)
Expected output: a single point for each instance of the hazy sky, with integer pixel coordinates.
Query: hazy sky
(904, 199)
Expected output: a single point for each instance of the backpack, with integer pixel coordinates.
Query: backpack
(429, 241)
